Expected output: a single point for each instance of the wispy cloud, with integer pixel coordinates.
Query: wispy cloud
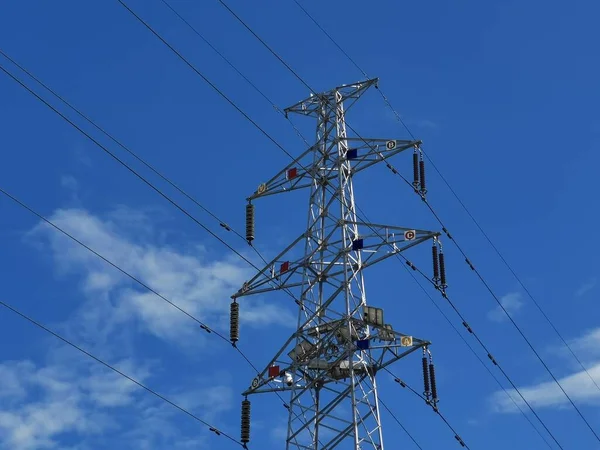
(511, 302)
(580, 385)
(69, 396)
(46, 402)
(198, 284)
(69, 182)
(42, 402)
(71, 185)
(586, 287)
(588, 345)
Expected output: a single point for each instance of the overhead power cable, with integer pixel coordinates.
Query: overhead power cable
(436, 410)
(410, 265)
(210, 83)
(472, 350)
(127, 166)
(222, 223)
(492, 359)
(239, 72)
(464, 207)
(399, 423)
(469, 262)
(215, 430)
(495, 297)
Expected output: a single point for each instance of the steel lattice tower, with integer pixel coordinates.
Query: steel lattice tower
(329, 364)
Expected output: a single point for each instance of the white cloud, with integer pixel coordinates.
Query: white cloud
(581, 386)
(43, 402)
(109, 389)
(587, 345)
(511, 302)
(586, 287)
(190, 279)
(76, 397)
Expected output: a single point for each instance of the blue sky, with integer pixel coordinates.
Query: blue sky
(503, 96)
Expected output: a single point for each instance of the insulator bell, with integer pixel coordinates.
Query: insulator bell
(249, 223)
(416, 170)
(442, 271)
(245, 421)
(426, 378)
(436, 266)
(234, 322)
(422, 176)
(434, 395)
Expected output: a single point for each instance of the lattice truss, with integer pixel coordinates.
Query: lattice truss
(329, 365)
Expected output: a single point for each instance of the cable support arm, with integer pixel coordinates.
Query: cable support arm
(285, 271)
(365, 152)
(312, 105)
(302, 171)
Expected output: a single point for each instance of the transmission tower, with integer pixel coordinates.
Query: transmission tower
(329, 365)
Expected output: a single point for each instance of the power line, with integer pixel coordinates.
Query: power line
(127, 166)
(401, 258)
(239, 72)
(485, 348)
(222, 223)
(119, 372)
(483, 364)
(332, 40)
(493, 294)
(486, 236)
(261, 40)
(436, 410)
(210, 83)
(399, 423)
